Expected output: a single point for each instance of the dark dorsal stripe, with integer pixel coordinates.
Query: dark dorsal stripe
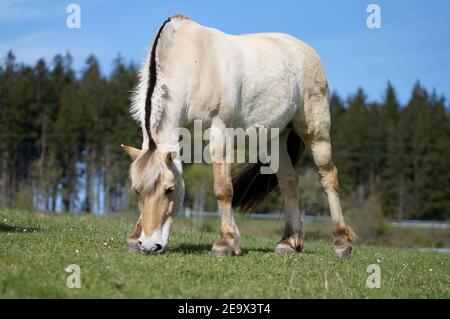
(151, 88)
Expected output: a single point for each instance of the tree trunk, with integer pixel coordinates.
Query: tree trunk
(54, 195)
(4, 177)
(107, 184)
(94, 182)
(87, 183)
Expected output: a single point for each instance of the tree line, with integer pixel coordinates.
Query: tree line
(60, 132)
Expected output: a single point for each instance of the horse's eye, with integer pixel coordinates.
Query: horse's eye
(169, 190)
(134, 189)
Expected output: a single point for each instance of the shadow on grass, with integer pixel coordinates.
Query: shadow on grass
(5, 228)
(272, 250)
(190, 249)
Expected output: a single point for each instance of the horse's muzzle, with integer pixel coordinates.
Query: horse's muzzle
(152, 249)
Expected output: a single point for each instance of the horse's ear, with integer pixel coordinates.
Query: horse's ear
(168, 158)
(133, 152)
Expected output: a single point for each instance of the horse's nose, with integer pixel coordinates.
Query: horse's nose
(155, 248)
(147, 250)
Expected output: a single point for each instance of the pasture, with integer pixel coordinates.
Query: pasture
(36, 248)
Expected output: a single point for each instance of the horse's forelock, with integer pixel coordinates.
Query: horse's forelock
(145, 171)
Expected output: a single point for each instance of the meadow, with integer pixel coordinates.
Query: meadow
(35, 249)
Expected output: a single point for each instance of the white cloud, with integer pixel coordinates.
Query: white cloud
(46, 44)
(26, 10)
(30, 47)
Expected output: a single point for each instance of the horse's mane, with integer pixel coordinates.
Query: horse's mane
(145, 171)
(151, 81)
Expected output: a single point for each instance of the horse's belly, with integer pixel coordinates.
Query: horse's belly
(271, 107)
(263, 116)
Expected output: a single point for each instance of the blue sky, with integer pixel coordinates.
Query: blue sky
(413, 43)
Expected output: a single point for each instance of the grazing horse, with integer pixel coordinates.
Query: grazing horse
(268, 80)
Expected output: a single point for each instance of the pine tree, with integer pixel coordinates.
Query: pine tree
(92, 98)
(60, 137)
(66, 133)
(355, 134)
(119, 128)
(420, 133)
(393, 173)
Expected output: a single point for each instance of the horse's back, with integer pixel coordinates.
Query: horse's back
(279, 71)
(248, 76)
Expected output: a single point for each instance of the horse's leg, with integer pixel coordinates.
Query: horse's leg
(316, 134)
(133, 239)
(228, 243)
(343, 235)
(292, 240)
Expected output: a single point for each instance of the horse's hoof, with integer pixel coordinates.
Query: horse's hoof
(133, 247)
(290, 245)
(223, 251)
(343, 252)
(223, 248)
(343, 238)
(283, 248)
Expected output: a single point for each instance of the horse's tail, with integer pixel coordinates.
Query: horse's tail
(250, 187)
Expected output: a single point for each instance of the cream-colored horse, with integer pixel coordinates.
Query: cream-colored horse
(268, 80)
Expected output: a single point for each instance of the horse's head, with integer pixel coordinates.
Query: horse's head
(157, 181)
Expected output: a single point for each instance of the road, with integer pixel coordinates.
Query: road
(313, 218)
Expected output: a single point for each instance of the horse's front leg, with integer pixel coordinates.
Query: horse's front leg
(228, 244)
(133, 239)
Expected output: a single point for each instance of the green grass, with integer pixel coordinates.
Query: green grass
(35, 248)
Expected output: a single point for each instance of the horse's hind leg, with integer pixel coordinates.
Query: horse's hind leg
(292, 240)
(343, 235)
(316, 134)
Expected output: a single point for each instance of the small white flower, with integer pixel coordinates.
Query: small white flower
(77, 251)
(105, 244)
(378, 261)
(5, 220)
(431, 269)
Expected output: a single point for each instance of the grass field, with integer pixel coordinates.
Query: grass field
(36, 248)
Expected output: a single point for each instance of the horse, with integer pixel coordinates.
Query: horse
(261, 80)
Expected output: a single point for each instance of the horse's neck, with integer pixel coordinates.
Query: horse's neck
(167, 138)
(166, 133)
